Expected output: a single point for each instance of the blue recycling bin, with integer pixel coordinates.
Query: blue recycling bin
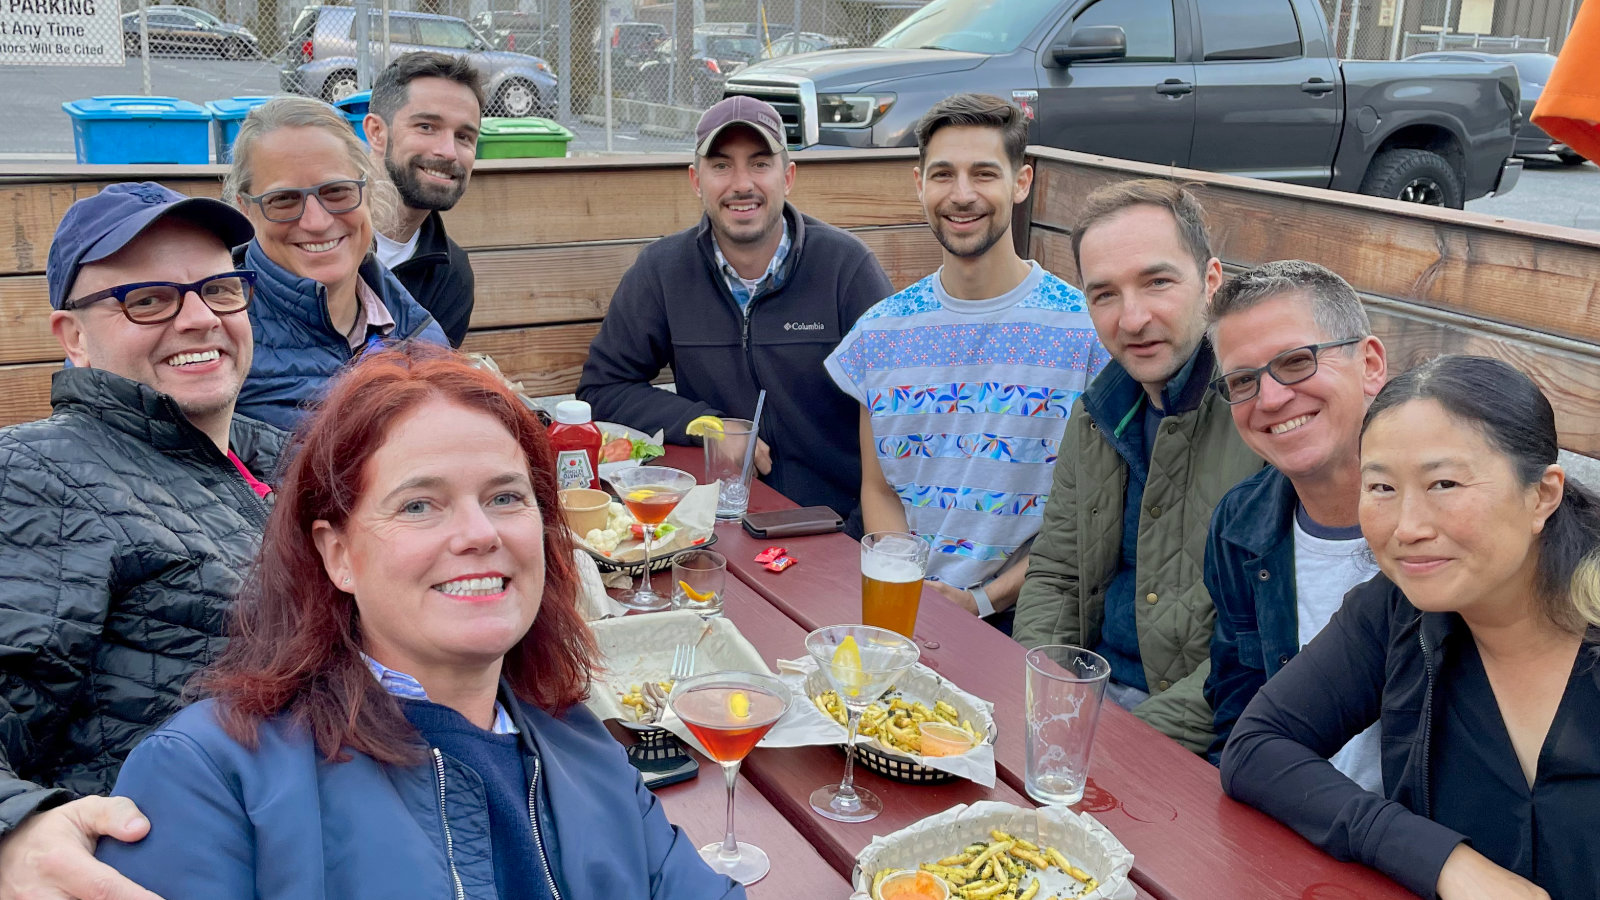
(354, 108)
(139, 130)
(227, 116)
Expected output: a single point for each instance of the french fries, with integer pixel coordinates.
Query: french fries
(1004, 868)
(894, 723)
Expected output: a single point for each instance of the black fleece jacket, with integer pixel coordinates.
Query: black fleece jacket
(439, 277)
(673, 308)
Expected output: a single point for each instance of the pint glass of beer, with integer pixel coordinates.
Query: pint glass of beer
(892, 566)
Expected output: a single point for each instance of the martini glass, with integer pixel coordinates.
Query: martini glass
(860, 676)
(651, 493)
(728, 712)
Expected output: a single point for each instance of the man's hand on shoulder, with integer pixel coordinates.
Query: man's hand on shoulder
(51, 855)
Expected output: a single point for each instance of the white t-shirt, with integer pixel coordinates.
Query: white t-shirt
(392, 253)
(1328, 562)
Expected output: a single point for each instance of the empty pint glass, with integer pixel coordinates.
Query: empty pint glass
(1064, 688)
(892, 566)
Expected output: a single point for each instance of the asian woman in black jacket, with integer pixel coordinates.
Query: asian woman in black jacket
(1477, 648)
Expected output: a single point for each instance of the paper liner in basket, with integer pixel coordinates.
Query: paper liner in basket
(636, 649)
(1085, 842)
(919, 683)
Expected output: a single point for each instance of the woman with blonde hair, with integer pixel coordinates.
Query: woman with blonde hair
(315, 197)
(1477, 648)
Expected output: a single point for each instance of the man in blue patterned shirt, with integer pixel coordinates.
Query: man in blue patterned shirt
(965, 378)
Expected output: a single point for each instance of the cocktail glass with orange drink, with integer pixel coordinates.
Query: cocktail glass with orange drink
(728, 713)
(892, 566)
(861, 663)
(650, 493)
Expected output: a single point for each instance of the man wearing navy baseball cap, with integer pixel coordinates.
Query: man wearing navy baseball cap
(753, 297)
(131, 514)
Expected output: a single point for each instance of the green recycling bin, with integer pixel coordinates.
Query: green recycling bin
(500, 138)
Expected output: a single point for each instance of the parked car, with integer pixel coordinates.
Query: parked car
(804, 42)
(1248, 87)
(731, 52)
(321, 58)
(655, 80)
(520, 32)
(1533, 70)
(186, 30)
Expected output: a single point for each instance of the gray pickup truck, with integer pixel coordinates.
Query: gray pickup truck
(1246, 87)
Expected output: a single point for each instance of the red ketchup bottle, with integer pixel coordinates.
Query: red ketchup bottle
(576, 440)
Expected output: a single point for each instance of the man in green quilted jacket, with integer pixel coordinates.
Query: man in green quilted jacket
(1119, 561)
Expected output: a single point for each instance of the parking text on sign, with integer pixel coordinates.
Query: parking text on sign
(61, 32)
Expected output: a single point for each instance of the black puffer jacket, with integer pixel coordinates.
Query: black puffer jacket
(125, 536)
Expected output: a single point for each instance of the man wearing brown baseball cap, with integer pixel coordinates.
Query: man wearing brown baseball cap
(753, 297)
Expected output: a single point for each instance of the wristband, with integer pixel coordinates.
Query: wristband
(981, 597)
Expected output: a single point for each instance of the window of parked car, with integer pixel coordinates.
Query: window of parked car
(453, 35)
(1148, 25)
(1249, 29)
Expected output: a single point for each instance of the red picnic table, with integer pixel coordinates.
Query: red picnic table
(1166, 805)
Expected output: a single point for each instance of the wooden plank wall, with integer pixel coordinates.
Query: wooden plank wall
(549, 241)
(1434, 281)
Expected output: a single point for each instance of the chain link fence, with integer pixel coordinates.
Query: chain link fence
(625, 76)
(1396, 29)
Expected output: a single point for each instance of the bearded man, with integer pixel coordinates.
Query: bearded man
(423, 125)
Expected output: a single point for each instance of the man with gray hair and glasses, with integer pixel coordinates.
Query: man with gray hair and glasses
(1299, 366)
(131, 515)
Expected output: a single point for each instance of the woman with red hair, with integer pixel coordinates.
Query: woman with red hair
(398, 712)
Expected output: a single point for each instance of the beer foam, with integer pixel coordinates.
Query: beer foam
(888, 569)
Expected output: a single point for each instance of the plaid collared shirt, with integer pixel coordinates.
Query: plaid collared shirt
(402, 685)
(744, 291)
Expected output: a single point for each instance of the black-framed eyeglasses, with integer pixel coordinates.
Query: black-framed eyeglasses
(289, 204)
(1289, 367)
(156, 302)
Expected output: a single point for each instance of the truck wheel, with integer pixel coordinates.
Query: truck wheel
(1569, 158)
(1414, 176)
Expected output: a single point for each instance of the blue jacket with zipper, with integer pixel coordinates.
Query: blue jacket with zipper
(1250, 576)
(282, 823)
(297, 349)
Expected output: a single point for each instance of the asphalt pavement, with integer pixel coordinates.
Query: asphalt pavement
(1551, 193)
(36, 128)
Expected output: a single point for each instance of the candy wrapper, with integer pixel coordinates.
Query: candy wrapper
(920, 683)
(1085, 843)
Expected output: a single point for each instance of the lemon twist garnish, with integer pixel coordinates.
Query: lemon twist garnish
(739, 705)
(705, 427)
(642, 493)
(695, 595)
(847, 673)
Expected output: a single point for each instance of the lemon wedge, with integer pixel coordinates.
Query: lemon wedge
(695, 595)
(705, 427)
(739, 705)
(847, 674)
